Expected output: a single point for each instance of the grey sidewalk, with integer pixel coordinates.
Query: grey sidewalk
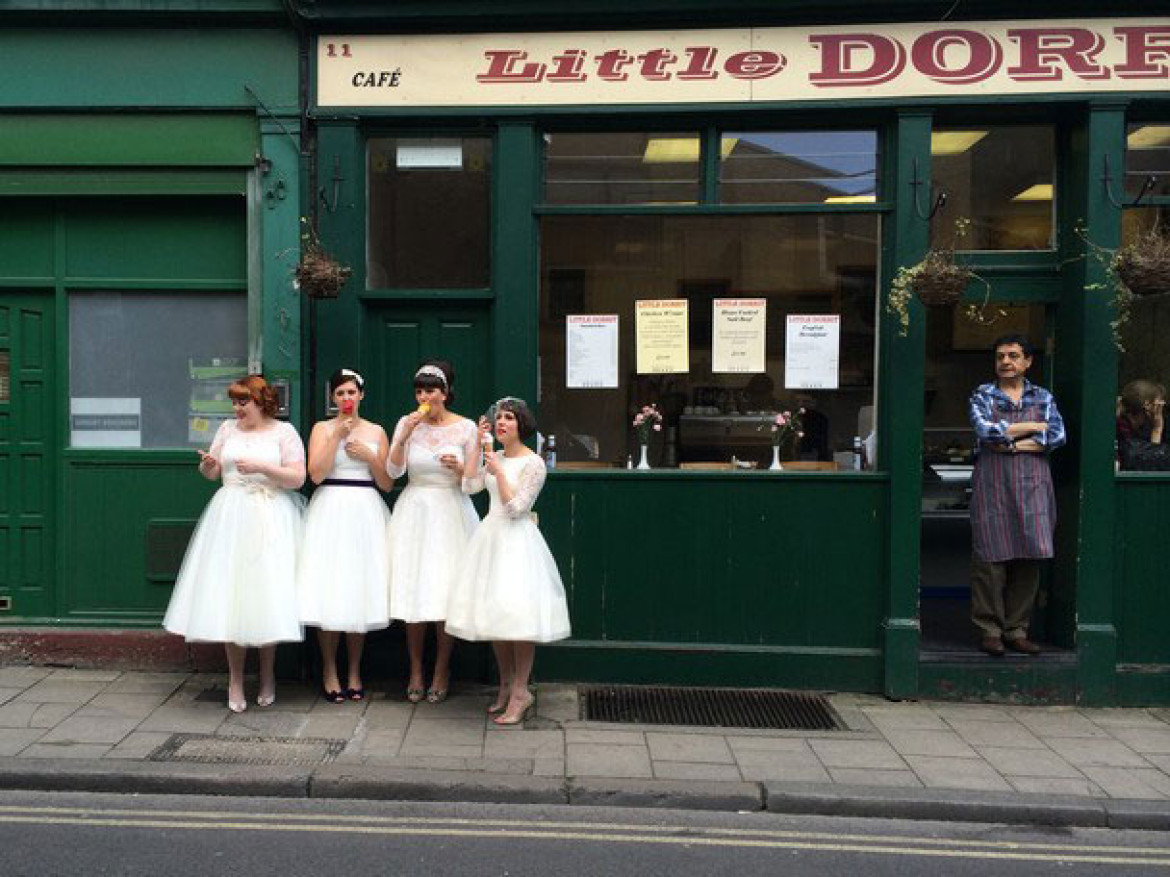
(137, 731)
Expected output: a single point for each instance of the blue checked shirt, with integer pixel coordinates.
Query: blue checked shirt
(989, 410)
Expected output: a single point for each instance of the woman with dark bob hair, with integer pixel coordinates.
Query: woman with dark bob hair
(344, 567)
(509, 590)
(1141, 420)
(238, 579)
(433, 520)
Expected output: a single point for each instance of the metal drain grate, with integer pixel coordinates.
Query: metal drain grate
(709, 707)
(209, 749)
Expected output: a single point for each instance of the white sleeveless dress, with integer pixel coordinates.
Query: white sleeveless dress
(432, 521)
(342, 582)
(238, 579)
(508, 587)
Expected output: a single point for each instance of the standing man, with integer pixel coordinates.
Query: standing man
(1013, 505)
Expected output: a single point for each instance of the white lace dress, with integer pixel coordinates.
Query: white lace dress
(238, 579)
(432, 520)
(344, 574)
(509, 587)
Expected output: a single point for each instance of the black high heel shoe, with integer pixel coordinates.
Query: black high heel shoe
(333, 696)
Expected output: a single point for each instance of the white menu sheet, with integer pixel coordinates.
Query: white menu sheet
(591, 351)
(812, 352)
(739, 327)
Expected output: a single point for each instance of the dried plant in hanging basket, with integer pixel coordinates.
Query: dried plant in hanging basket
(318, 274)
(1144, 264)
(938, 280)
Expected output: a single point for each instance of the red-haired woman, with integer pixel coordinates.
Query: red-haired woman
(237, 583)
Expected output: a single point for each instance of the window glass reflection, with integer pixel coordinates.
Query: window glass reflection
(622, 168)
(801, 167)
(1147, 153)
(999, 178)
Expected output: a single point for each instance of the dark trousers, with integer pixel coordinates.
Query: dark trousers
(1002, 596)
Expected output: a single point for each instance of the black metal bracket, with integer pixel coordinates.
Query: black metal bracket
(337, 179)
(1107, 181)
(296, 144)
(940, 200)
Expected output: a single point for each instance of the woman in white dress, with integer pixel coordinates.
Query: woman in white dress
(238, 579)
(509, 590)
(432, 521)
(344, 565)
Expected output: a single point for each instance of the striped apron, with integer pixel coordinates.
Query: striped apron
(1013, 504)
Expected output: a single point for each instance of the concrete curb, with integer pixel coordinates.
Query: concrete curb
(398, 784)
(966, 806)
(666, 794)
(154, 778)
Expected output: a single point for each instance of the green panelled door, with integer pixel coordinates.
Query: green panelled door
(399, 337)
(27, 453)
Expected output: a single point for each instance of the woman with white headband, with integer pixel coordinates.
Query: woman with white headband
(432, 521)
(344, 564)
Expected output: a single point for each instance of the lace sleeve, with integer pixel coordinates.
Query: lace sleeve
(292, 449)
(393, 471)
(471, 451)
(221, 436)
(528, 486)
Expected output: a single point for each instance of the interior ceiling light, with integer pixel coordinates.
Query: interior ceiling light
(851, 199)
(1038, 192)
(1148, 137)
(679, 150)
(954, 142)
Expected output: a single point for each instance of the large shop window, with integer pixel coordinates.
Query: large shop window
(999, 178)
(429, 213)
(1144, 363)
(151, 369)
(692, 313)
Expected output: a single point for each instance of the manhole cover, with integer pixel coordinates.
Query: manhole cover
(709, 707)
(208, 749)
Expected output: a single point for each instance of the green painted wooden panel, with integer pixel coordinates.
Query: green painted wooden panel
(27, 449)
(26, 239)
(110, 507)
(192, 239)
(148, 67)
(75, 139)
(747, 559)
(105, 181)
(1141, 596)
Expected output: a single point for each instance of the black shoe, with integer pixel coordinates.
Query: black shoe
(333, 696)
(993, 645)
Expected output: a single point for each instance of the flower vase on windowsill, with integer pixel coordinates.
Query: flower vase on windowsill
(787, 429)
(644, 460)
(775, 467)
(646, 422)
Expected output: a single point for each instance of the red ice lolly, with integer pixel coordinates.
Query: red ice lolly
(347, 406)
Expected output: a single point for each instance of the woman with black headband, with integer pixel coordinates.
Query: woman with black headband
(432, 522)
(344, 566)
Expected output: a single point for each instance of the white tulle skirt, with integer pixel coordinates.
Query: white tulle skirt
(344, 576)
(509, 587)
(238, 579)
(429, 532)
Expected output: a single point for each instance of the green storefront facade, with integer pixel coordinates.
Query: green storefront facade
(477, 226)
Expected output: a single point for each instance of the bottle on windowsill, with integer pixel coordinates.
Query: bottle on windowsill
(550, 452)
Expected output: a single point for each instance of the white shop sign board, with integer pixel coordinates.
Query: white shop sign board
(105, 422)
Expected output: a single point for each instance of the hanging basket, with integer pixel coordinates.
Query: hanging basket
(319, 275)
(1144, 265)
(939, 281)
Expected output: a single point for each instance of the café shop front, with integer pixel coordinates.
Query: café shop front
(604, 209)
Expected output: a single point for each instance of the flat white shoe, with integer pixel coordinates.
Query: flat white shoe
(237, 706)
(265, 699)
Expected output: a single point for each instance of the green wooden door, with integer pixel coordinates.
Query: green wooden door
(27, 453)
(400, 336)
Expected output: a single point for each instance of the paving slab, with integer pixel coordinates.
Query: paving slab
(22, 677)
(1144, 739)
(1056, 786)
(957, 773)
(1058, 722)
(689, 770)
(184, 719)
(689, 747)
(871, 755)
(121, 705)
(90, 730)
(31, 714)
(910, 718)
(851, 776)
(1123, 718)
(139, 745)
(1121, 782)
(72, 674)
(575, 734)
(983, 733)
(607, 760)
(6, 694)
(914, 741)
(60, 691)
(66, 750)
(138, 682)
(530, 744)
(1028, 762)
(459, 750)
(256, 722)
(13, 741)
(794, 767)
(1096, 753)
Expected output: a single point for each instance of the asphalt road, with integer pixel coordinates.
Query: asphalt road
(68, 833)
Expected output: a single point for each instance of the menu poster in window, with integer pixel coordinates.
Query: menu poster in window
(660, 329)
(738, 334)
(591, 351)
(812, 352)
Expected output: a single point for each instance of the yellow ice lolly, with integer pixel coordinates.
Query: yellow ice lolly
(424, 409)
